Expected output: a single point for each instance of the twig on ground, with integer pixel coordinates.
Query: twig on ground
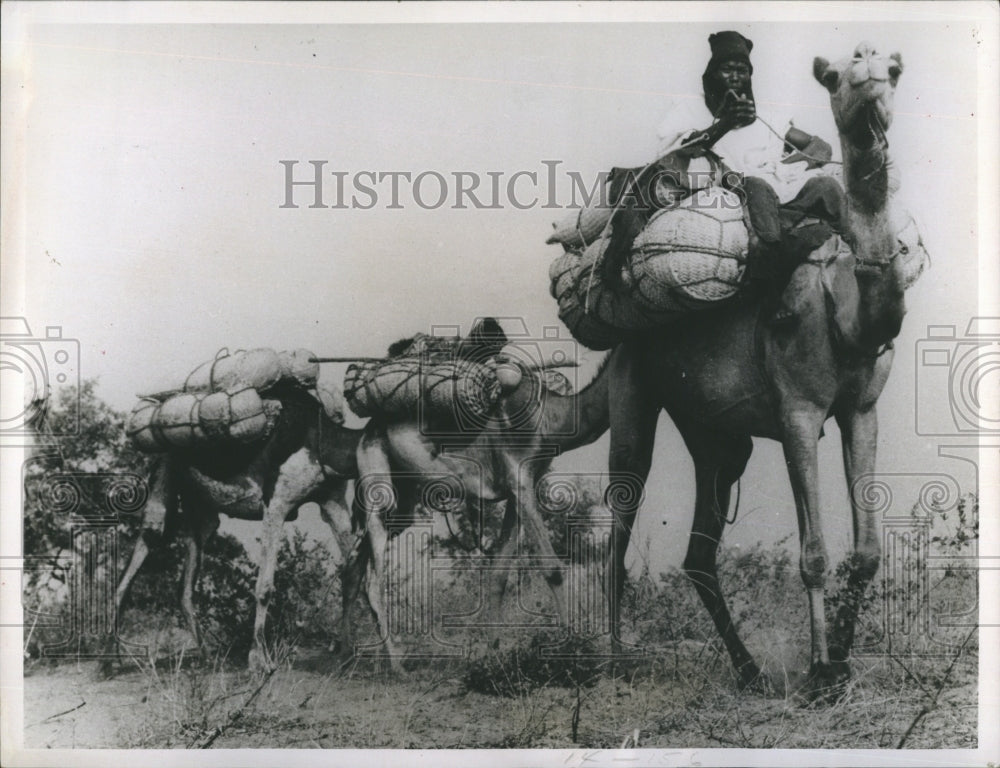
(60, 714)
(944, 680)
(238, 713)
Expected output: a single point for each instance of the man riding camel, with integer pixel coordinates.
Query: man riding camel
(793, 206)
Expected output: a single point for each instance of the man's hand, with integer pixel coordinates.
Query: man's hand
(737, 111)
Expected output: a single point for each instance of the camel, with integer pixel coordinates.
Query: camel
(309, 456)
(531, 425)
(727, 376)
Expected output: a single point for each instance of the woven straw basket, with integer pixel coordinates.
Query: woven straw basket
(693, 254)
(580, 228)
(257, 368)
(191, 420)
(686, 258)
(400, 387)
(295, 366)
(588, 329)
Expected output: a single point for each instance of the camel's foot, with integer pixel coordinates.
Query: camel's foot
(751, 680)
(395, 659)
(397, 668)
(105, 668)
(625, 649)
(824, 685)
(343, 652)
(260, 661)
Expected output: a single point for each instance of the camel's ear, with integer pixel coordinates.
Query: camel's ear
(896, 68)
(824, 75)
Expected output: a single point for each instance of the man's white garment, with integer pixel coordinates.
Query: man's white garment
(754, 150)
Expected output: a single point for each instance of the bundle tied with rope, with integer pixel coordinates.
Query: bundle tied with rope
(224, 401)
(441, 375)
(687, 257)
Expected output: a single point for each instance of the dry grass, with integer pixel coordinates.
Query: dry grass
(915, 689)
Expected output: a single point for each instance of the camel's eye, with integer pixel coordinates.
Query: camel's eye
(904, 249)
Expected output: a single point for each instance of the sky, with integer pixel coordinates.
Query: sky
(149, 190)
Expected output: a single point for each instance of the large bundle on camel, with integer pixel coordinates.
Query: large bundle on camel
(686, 258)
(225, 401)
(582, 227)
(595, 313)
(692, 256)
(190, 420)
(428, 373)
(257, 368)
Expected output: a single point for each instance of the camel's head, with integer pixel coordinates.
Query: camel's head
(861, 91)
(525, 390)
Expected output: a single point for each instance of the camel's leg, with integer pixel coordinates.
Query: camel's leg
(859, 431)
(159, 513)
(524, 477)
(195, 538)
(801, 434)
(633, 416)
(714, 482)
(336, 513)
(112, 648)
(352, 577)
(139, 553)
(298, 478)
(161, 505)
(498, 577)
(377, 496)
(192, 564)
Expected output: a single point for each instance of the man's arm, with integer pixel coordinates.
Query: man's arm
(736, 112)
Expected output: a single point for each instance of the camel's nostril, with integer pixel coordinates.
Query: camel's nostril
(864, 50)
(895, 72)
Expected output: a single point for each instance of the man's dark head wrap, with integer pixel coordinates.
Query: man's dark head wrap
(726, 46)
(484, 341)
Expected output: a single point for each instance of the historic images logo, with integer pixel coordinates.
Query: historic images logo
(548, 188)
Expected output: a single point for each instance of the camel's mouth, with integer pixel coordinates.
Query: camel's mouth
(869, 127)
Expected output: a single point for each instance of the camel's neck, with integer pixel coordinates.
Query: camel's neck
(338, 447)
(571, 421)
(866, 176)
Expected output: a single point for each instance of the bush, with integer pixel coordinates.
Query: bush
(756, 582)
(307, 593)
(548, 660)
(223, 596)
(301, 612)
(83, 471)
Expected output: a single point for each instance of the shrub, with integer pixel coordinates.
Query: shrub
(307, 592)
(548, 660)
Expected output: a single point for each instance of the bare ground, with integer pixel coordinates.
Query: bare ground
(683, 698)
